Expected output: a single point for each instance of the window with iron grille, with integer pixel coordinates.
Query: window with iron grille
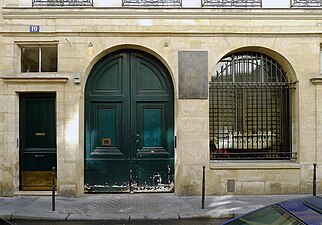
(250, 109)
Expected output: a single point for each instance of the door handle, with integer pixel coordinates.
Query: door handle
(138, 135)
(39, 156)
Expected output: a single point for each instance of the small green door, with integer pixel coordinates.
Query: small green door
(129, 142)
(37, 140)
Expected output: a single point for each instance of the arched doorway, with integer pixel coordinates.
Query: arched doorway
(129, 126)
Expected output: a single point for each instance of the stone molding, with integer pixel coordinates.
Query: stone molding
(316, 80)
(159, 13)
(34, 79)
(249, 165)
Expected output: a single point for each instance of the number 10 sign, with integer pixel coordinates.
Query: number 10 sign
(34, 28)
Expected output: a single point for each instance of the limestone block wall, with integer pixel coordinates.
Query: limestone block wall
(295, 44)
(192, 151)
(2, 117)
(317, 82)
(2, 120)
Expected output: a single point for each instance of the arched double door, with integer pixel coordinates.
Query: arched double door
(129, 126)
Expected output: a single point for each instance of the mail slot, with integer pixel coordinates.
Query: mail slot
(40, 134)
(106, 141)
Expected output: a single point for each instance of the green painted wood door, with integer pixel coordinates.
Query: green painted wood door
(129, 137)
(37, 140)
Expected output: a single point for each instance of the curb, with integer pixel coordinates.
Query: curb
(112, 217)
(38, 216)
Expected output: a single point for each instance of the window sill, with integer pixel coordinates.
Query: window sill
(316, 80)
(35, 79)
(250, 165)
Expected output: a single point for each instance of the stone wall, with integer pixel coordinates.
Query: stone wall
(293, 39)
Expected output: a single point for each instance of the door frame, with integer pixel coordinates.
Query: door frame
(22, 124)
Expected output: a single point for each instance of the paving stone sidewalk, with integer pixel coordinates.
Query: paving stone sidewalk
(132, 206)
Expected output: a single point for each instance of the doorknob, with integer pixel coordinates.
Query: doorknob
(138, 135)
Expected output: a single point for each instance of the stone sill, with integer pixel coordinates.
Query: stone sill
(34, 193)
(34, 79)
(251, 165)
(316, 80)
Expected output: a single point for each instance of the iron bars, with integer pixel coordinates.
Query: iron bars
(250, 109)
(152, 3)
(62, 3)
(232, 3)
(306, 3)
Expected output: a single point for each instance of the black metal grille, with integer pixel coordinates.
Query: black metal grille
(152, 3)
(62, 3)
(250, 109)
(306, 3)
(232, 3)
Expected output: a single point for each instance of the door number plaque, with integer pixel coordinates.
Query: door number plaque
(106, 141)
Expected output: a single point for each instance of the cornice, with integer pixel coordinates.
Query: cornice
(160, 13)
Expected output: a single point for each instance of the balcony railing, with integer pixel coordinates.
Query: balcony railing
(152, 3)
(179, 3)
(232, 3)
(306, 3)
(62, 3)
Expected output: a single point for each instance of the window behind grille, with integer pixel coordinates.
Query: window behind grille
(249, 114)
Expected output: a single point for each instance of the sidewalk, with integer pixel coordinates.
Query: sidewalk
(132, 206)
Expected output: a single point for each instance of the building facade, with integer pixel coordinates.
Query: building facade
(138, 96)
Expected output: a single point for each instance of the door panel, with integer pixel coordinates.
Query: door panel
(106, 140)
(37, 140)
(129, 123)
(152, 127)
(152, 155)
(107, 175)
(36, 180)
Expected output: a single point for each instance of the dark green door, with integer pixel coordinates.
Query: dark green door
(129, 142)
(37, 140)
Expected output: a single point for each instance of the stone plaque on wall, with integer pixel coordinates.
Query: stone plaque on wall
(193, 74)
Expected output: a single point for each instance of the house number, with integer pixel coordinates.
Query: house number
(34, 28)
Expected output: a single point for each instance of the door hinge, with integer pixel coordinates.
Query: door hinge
(17, 142)
(175, 141)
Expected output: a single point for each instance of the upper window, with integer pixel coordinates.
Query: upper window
(41, 58)
(250, 109)
(232, 3)
(306, 3)
(61, 3)
(154, 3)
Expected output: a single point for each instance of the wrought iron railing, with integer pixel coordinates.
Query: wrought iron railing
(232, 3)
(152, 3)
(62, 3)
(306, 3)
